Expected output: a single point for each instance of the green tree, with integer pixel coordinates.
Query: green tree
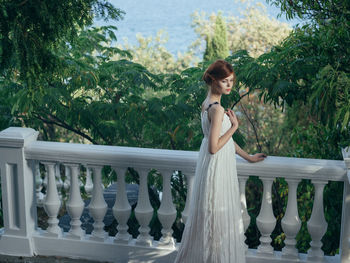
(217, 46)
(317, 74)
(151, 53)
(309, 68)
(31, 30)
(308, 76)
(253, 30)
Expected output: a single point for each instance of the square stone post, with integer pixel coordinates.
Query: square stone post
(344, 246)
(18, 192)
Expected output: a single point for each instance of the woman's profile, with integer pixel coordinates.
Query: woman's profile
(214, 230)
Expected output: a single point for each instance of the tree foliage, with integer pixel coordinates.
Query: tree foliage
(151, 53)
(305, 69)
(31, 29)
(319, 57)
(253, 30)
(318, 11)
(217, 46)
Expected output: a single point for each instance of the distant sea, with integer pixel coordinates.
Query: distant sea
(174, 16)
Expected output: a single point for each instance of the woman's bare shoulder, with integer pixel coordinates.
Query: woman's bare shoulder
(217, 108)
(216, 112)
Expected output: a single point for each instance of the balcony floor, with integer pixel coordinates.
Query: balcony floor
(139, 259)
(56, 259)
(42, 259)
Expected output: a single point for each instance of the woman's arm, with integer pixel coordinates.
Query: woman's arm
(215, 141)
(250, 158)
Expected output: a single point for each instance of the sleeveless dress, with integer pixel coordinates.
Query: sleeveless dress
(214, 231)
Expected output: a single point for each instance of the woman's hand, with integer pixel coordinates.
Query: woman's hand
(233, 118)
(258, 157)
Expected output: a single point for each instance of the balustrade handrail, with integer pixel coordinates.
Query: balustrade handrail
(19, 169)
(273, 166)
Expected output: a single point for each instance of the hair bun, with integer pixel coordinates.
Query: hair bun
(207, 78)
(218, 70)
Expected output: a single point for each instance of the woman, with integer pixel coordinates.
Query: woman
(214, 230)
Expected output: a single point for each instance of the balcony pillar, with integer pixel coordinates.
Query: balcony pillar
(144, 211)
(245, 215)
(266, 221)
(18, 192)
(190, 182)
(121, 208)
(344, 246)
(98, 206)
(38, 184)
(66, 183)
(317, 225)
(59, 182)
(52, 203)
(75, 204)
(167, 212)
(88, 187)
(291, 222)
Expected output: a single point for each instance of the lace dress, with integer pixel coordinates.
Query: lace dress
(214, 231)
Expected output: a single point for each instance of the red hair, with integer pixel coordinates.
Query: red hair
(218, 70)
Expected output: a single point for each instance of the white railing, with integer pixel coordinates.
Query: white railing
(20, 154)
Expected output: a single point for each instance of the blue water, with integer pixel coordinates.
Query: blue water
(174, 16)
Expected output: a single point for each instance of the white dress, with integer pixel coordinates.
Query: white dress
(214, 231)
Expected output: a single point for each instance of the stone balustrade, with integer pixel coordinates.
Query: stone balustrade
(21, 154)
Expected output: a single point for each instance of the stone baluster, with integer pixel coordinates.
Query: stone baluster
(75, 204)
(291, 222)
(38, 184)
(98, 206)
(88, 184)
(190, 182)
(59, 182)
(167, 212)
(52, 202)
(143, 211)
(66, 183)
(266, 221)
(121, 208)
(317, 225)
(344, 246)
(245, 216)
(45, 180)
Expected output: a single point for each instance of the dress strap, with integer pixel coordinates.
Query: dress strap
(212, 104)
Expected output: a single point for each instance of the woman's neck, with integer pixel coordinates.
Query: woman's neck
(213, 97)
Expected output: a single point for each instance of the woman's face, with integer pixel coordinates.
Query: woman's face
(224, 86)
